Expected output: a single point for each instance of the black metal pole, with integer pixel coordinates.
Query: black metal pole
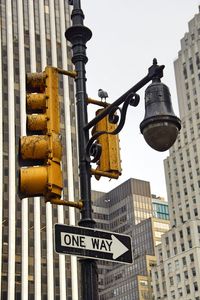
(78, 35)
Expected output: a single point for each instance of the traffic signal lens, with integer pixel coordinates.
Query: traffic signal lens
(35, 103)
(35, 147)
(33, 181)
(36, 82)
(36, 123)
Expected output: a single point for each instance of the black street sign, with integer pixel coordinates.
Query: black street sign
(93, 243)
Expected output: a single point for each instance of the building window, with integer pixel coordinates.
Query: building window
(173, 294)
(182, 247)
(196, 286)
(174, 237)
(171, 280)
(184, 261)
(197, 60)
(196, 212)
(191, 66)
(164, 286)
(186, 274)
(181, 233)
(180, 292)
(178, 278)
(194, 271)
(188, 215)
(187, 287)
(191, 257)
(184, 71)
(188, 230)
(190, 244)
(176, 264)
(169, 267)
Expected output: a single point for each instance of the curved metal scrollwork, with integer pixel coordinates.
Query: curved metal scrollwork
(94, 149)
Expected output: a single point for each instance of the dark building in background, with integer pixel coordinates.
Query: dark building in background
(127, 209)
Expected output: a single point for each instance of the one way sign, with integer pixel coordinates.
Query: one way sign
(93, 243)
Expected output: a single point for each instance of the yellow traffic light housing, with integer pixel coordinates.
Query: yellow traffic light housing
(40, 151)
(109, 163)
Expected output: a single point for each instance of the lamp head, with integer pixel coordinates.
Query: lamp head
(160, 126)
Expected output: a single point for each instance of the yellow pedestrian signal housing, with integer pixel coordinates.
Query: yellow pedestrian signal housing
(109, 164)
(40, 152)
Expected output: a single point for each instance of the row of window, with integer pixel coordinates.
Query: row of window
(188, 230)
(191, 66)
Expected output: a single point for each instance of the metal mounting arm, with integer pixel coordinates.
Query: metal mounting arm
(93, 149)
(155, 71)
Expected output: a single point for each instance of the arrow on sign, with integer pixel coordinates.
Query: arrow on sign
(113, 246)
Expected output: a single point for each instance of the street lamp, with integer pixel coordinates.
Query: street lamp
(160, 127)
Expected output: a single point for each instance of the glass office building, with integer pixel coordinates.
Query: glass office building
(127, 209)
(160, 208)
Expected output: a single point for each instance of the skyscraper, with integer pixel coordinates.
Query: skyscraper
(31, 37)
(128, 209)
(178, 271)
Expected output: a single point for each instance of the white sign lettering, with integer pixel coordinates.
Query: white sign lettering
(113, 246)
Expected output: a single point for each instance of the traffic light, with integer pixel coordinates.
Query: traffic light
(40, 152)
(109, 164)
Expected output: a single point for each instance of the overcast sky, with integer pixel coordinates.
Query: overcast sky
(127, 35)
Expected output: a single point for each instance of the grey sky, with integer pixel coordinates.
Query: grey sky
(127, 35)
